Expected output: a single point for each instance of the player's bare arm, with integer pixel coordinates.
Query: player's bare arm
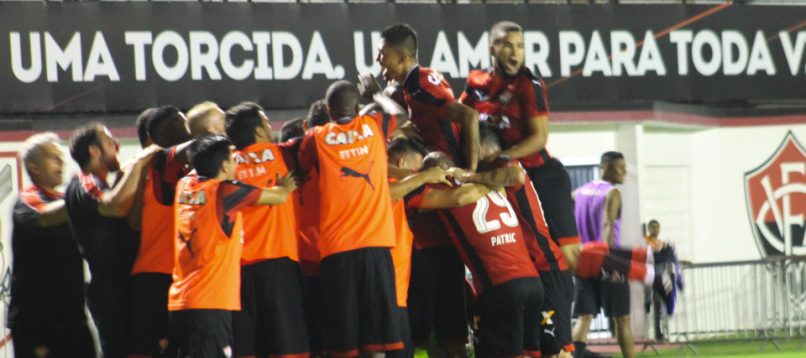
(506, 176)
(389, 105)
(612, 213)
(411, 182)
(119, 201)
(453, 198)
(534, 142)
(278, 194)
(468, 119)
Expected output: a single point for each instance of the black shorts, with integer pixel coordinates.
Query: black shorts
(203, 333)
(312, 304)
(553, 186)
(359, 303)
(437, 296)
(151, 326)
(271, 320)
(408, 350)
(66, 340)
(108, 298)
(555, 322)
(509, 319)
(593, 294)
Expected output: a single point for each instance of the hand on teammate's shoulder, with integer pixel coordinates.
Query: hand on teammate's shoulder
(289, 181)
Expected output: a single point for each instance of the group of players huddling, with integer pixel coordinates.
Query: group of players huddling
(348, 237)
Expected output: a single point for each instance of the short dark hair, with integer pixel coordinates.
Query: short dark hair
(653, 221)
(317, 114)
(81, 140)
(610, 157)
(160, 118)
(207, 154)
(142, 126)
(292, 129)
(401, 36)
(501, 29)
(401, 147)
(241, 122)
(488, 134)
(342, 98)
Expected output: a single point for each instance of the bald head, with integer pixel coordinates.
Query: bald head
(342, 99)
(205, 118)
(438, 159)
(42, 158)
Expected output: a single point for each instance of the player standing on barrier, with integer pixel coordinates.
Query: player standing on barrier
(434, 111)
(514, 100)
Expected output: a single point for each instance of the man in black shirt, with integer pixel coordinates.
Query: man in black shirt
(97, 215)
(46, 314)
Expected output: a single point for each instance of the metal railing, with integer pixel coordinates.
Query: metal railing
(758, 300)
(763, 300)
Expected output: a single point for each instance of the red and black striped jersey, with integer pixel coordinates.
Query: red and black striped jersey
(509, 102)
(489, 239)
(428, 95)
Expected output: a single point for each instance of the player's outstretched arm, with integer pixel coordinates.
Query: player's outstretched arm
(280, 193)
(411, 182)
(388, 105)
(118, 201)
(507, 176)
(453, 198)
(468, 119)
(534, 142)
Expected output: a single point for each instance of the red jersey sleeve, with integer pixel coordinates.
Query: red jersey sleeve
(415, 198)
(307, 158)
(535, 95)
(232, 197)
(386, 122)
(290, 152)
(235, 195)
(433, 89)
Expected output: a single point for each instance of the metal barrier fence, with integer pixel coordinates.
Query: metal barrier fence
(759, 300)
(763, 300)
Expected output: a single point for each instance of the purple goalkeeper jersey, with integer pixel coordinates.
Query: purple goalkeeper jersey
(589, 212)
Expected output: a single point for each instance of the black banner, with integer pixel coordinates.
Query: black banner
(122, 57)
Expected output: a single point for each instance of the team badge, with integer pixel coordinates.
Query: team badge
(776, 200)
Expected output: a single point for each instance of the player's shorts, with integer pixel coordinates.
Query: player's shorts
(150, 321)
(359, 302)
(593, 294)
(108, 298)
(509, 319)
(62, 340)
(312, 304)
(437, 296)
(271, 320)
(408, 350)
(203, 333)
(553, 186)
(555, 321)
